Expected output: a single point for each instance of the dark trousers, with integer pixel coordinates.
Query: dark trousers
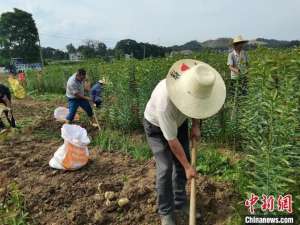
(98, 103)
(74, 103)
(241, 86)
(170, 175)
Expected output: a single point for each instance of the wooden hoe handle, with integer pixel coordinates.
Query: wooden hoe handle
(192, 217)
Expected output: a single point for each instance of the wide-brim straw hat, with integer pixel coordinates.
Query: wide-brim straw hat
(195, 88)
(239, 39)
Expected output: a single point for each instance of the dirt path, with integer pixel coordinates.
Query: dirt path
(65, 198)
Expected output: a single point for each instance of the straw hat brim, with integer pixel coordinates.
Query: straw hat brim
(239, 39)
(189, 105)
(242, 41)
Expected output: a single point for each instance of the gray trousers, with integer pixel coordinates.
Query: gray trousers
(170, 175)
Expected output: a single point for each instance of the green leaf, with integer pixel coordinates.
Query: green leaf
(287, 180)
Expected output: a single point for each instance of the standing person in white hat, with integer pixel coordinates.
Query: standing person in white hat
(238, 63)
(192, 89)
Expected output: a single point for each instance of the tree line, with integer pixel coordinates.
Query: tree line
(19, 38)
(138, 50)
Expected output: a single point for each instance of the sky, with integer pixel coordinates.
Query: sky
(162, 22)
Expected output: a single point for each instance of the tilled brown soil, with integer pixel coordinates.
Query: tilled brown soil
(77, 197)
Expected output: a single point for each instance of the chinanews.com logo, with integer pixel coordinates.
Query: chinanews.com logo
(265, 204)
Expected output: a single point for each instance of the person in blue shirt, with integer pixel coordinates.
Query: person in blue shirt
(96, 93)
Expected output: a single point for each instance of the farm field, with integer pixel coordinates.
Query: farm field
(58, 197)
(250, 146)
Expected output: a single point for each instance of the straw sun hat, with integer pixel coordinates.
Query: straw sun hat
(195, 88)
(239, 39)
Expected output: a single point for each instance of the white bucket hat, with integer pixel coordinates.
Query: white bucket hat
(195, 88)
(102, 81)
(239, 39)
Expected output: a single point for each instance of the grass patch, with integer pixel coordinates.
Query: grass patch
(9, 134)
(45, 134)
(114, 140)
(223, 165)
(47, 97)
(25, 122)
(12, 209)
(213, 163)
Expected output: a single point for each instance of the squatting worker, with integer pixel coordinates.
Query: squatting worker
(96, 92)
(192, 89)
(5, 99)
(238, 63)
(76, 98)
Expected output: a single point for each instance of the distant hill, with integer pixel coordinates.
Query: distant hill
(273, 43)
(191, 45)
(219, 43)
(225, 43)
